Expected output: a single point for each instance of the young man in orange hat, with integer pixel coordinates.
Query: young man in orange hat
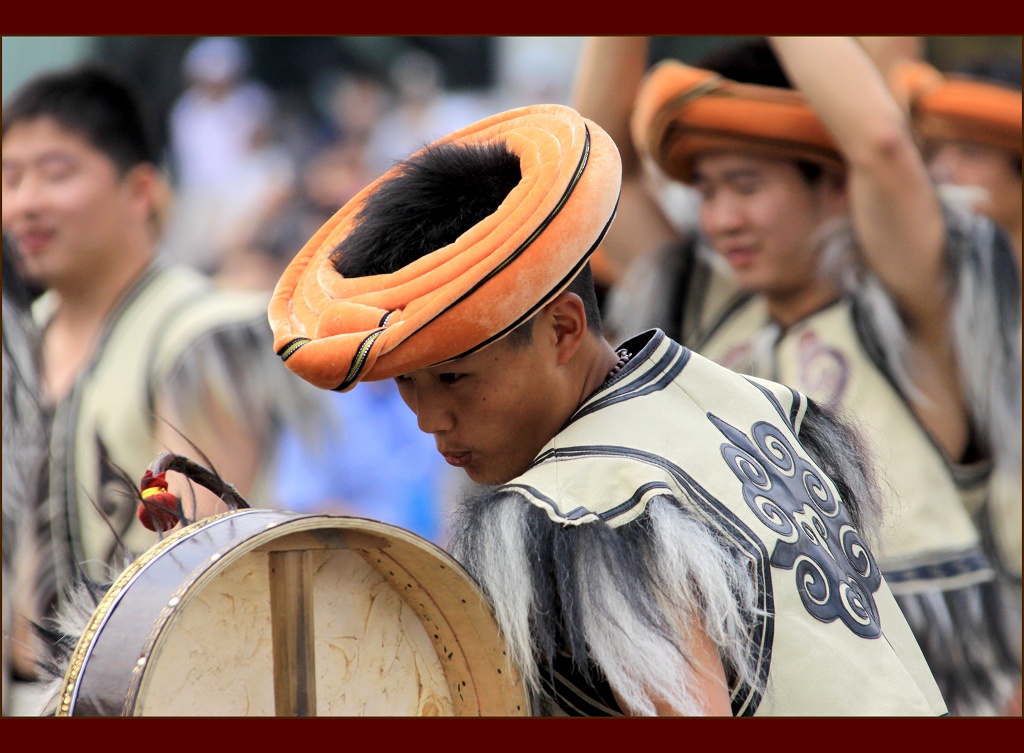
(827, 261)
(968, 125)
(969, 128)
(657, 534)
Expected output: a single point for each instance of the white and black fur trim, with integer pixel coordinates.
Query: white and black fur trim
(62, 634)
(617, 600)
(966, 636)
(254, 387)
(28, 584)
(987, 331)
(838, 448)
(985, 318)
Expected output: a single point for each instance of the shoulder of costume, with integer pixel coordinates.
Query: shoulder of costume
(196, 311)
(221, 337)
(985, 320)
(610, 459)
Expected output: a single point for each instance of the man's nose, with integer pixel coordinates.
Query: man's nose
(23, 199)
(721, 215)
(433, 414)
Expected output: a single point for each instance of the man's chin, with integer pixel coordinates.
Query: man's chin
(489, 477)
(747, 282)
(485, 479)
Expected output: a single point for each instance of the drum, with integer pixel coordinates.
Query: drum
(271, 613)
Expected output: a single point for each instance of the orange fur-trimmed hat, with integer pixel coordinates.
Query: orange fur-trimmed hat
(335, 331)
(952, 106)
(682, 111)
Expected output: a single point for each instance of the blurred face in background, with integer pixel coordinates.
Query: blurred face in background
(764, 218)
(994, 171)
(65, 204)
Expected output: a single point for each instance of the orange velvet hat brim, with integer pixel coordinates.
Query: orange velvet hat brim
(952, 107)
(682, 112)
(335, 331)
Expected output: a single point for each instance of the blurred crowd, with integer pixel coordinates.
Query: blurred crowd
(236, 197)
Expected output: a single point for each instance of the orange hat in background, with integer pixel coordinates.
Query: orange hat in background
(957, 107)
(335, 331)
(682, 111)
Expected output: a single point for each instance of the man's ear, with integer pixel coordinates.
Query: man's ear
(150, 192)
(567, 324)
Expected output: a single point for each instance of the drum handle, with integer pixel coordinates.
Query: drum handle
(169, 461)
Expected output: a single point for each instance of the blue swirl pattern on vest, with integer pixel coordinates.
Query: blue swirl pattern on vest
(836, 574)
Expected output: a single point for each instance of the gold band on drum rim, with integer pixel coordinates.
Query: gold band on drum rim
(72, 676)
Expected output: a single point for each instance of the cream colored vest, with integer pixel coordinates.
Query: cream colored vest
(109, 413)
(930, 541)
(675, 423)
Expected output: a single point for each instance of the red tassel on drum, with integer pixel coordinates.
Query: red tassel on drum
(158, 510)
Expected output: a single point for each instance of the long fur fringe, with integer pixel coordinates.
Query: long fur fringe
(618, 600)
(841, 452)
(985, 292)
(63, 634)
(987, 332)
(966, 637)
(237, 368)
(27, 583)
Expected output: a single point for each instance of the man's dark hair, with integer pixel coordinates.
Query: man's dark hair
(752, 60)
(583, 286)
(434, 197)
(998, 71)
(92, 101)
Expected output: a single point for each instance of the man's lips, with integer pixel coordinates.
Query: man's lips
(458, 459)
(740, 257)
(32, 241)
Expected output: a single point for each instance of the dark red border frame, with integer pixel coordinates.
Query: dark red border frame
(877, 735)
(864, 17)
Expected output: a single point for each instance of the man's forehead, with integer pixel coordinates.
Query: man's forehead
(725, 165)
(54, 154)
(487, 354)
(43, 136)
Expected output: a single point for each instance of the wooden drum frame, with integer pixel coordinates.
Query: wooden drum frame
(272, 613)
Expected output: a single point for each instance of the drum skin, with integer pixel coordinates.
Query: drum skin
(266, 612)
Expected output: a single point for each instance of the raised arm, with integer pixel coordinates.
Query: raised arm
(608, 75)
(886, 52)
(894, 207)
(607, 79)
